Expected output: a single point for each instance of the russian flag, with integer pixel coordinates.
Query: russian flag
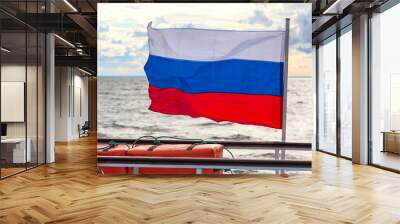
(222, 75)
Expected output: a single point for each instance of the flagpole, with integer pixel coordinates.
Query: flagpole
(285, 84)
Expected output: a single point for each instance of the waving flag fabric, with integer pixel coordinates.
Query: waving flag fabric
(223, 75)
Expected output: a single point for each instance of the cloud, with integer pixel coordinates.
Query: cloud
(120, 66)
(301, 33)
(159, 21)
(139, 34)
(103, 28)
(259, 17)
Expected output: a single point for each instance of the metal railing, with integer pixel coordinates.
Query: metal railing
(278, 164)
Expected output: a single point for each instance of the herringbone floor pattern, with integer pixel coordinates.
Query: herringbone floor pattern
(69, 191)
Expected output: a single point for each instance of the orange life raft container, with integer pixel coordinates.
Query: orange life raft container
(105, 150)
(165, 150)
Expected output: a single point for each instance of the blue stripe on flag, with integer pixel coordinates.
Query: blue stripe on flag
(227, 76)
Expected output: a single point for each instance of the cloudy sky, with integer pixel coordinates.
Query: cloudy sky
(122, 35)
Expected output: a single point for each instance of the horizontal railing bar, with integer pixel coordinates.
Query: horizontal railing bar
(204, 166)
(203, 163)
(229, 144)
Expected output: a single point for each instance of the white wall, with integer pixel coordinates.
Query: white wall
(69, 112)
(16, 73)
(80, 110)
(33, 126)
(61, 103)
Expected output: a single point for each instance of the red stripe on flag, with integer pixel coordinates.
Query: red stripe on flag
(264, 110)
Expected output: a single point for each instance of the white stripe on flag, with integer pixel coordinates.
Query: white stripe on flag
(216, 45)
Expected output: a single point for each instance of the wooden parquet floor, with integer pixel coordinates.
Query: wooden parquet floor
(70, 191)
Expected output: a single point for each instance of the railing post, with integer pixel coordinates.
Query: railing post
(199, 171)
